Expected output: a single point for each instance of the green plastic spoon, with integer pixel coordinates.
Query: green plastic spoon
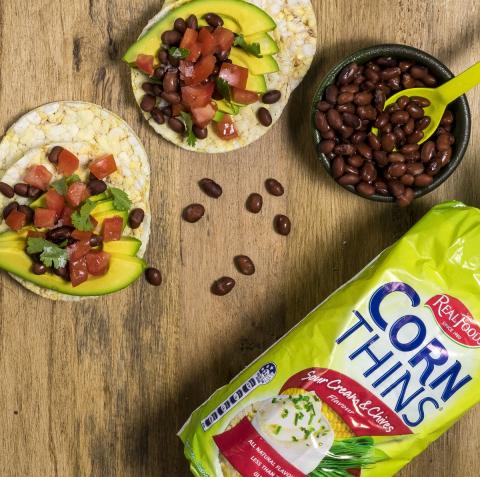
(440, 97)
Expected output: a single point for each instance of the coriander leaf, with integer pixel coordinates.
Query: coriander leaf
(50, 254)
(223, 88)
(73, 178)
(252, 48)
(180, 53)
(121, 201)
(35, 245)
(187, 119)
(53, 255)
(60, 186)
(81, 219)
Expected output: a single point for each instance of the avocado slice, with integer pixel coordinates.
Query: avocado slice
(125, 246)
(268, 46)
(256, 83)
(243, 17)
(256, 66)
(218, 116)
(123, 271)
(10, 235)
(103, 206)
(229, 108)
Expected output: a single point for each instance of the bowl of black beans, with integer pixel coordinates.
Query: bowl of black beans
(390, 165)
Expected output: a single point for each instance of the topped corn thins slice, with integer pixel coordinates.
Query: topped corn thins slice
(88, 132)
(272, 50)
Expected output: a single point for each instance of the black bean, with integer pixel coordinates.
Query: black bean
(274, 187)
(6, 190)
(365, 189)
(264, 117)
(347, 74)
(176, 125)
(148, 103)
(171, 37)
(349, 179)
(153, 276)
(271, 96)
(200, 133)
(135, 218)
(213, 20)
(193, 212)
(53, 154)
(210, 187)
(34, 192)
(62, 272)
(282, 224)
(170, 81)
(163, 56)
(192, 22)
(96, 186)
(180, 25)
(222, 286)
(158, 116)
(38, 268)
(254, 203)
(59, 234)
(244, 265)
(8, 208)
(171, 98)
(21, 189)
(331, 94)
(96, 240)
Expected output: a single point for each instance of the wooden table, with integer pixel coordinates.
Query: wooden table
(100, 388)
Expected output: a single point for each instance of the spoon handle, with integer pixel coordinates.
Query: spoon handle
(459, 85)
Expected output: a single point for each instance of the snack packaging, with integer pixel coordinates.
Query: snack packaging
(369, 378)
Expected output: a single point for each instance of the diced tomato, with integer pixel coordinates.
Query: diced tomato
(78, 271)
(242, 96)
(66, 217)
(78, 250)
(207, 42)
(201, 70)
(98, 262)
(224, 38)
(103, 166)
(38, 176)
(234, 75)
(189, 38)
(35, 234)
(202, 116)
(81, 235)
(44, 218)
(198, 95)
(16, 220)
(77, 193)
(145, 63)
(195, 52)
(112, 228)
(226, 128)
(186, 68)
(55, 201)
(67, 162)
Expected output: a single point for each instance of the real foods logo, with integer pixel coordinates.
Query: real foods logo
(455, 320)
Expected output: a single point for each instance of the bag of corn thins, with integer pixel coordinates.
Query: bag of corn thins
(369, 378)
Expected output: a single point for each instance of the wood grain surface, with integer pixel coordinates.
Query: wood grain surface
(101, 387)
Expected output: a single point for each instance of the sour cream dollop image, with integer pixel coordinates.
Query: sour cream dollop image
(296, 428)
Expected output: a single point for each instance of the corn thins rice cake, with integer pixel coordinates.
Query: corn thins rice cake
(296, 36)
(88, 131)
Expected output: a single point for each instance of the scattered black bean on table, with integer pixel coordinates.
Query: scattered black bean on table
(222, 286)
(210, 187)
(193, 212)
(282, 224)
(244, 264)
(392, 163)
(254, 203)
(153, 276)
(274, 187)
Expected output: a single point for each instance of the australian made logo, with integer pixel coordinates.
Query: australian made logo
(455, 320)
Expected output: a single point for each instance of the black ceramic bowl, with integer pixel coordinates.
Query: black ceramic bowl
(460, 107)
